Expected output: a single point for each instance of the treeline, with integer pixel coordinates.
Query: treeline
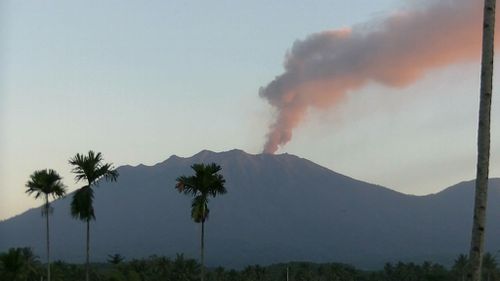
(20, 264)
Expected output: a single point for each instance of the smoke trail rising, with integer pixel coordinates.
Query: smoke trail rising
(394, 51)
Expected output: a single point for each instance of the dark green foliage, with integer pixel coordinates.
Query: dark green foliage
(207, 182)
(460, 268)
(62, 271)
(20, 264)
(89, 168)
(115, 259)
(414, 272)
(155, 268)
(490, 269)
(47, 183)
(185, 269)
(82, 204)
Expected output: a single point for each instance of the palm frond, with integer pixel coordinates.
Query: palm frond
(90, 168)
(46, 182)
(79, 167)
(216, 184)
(186, 185)
(108, 172)
(199, 209)
(206, 182)
(81, 205)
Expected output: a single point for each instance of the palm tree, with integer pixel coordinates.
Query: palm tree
(19, 264)
(46, 183)
(460, 267)
(489, 266)
(115, 259)
(184, 269)
(483, 143)
(207, 182)
(89, 168)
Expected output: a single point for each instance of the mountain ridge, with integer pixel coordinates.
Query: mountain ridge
(278, 208)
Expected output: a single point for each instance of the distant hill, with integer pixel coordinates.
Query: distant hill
(278, 208)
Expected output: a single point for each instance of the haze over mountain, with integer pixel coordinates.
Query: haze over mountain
(278, 208)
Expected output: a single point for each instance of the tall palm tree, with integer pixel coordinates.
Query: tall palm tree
(90, 169)
(46, 184)
(207, 182)
(483, 143)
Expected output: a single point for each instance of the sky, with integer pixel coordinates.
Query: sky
(140, 81)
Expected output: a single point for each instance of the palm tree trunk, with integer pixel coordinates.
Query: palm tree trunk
(47, 236)
(483, 143)
(87, 263)
(202, 250)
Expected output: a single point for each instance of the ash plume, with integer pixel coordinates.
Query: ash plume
(394, 51)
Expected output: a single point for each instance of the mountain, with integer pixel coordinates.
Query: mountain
(278, 208)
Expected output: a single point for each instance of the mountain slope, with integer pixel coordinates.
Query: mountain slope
(278, 208)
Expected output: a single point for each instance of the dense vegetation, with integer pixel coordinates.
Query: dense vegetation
(20, 264)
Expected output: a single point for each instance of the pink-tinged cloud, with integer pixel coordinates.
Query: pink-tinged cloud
(395, 51)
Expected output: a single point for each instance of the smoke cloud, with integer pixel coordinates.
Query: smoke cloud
(394, 51)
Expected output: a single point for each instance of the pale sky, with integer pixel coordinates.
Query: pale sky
(140, 81)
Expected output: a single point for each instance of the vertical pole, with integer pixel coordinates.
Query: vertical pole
(483, 143)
